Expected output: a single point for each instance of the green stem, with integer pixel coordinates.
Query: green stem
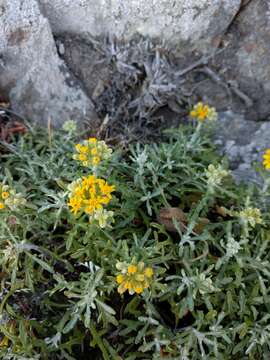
(195, 136)
(97, 339)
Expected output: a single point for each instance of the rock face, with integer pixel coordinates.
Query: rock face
(244, 143)
(241, 76)
(185, 23)
(41, 85)
(246, 58)
(31, 73)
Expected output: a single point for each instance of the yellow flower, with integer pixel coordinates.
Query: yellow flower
(202, 112)
(119, 278)
(5, 195)
(149, 272)
(91, 205)
(127, 285)
(91, 152)
(88, 195)
(83, 149)
(75, 204)
(82, 157)
(133, 277)
(266, 159)
(10, 199)
(138, 289)
(96, 160)
(132, 269)
(78, 147)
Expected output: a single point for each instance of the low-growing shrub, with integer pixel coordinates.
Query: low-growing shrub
(151, 253)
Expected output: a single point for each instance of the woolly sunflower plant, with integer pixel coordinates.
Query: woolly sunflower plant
(149, 254)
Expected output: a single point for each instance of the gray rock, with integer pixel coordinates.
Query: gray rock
(245, 60)
(32, 75)
(86, 62)
(239, 77)
(243, 142)
(186, 23)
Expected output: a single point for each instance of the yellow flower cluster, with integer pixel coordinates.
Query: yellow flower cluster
(266, 159)
(91, 152)
(89, 194)
(10, 199)
(202, 112)
(133, 277)
(251, 216)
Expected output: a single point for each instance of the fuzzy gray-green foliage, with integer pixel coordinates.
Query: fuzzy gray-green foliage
(209, 298)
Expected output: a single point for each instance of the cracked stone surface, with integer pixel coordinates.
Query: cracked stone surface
(190, 23)
(32, 75)
(245, 60)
